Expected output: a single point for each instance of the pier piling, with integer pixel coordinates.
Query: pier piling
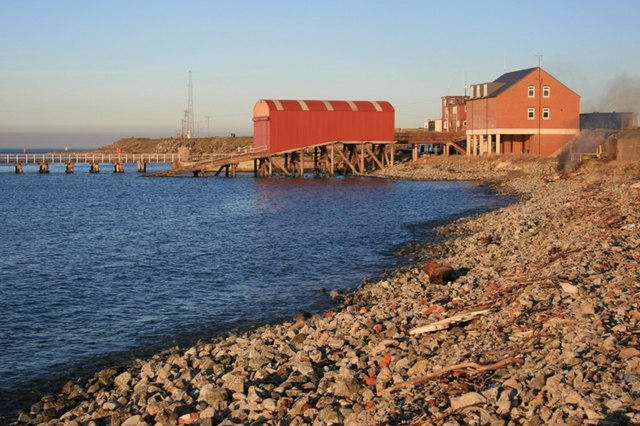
(69, 169)
(118, 167)
(44, 167)
(94, 167)
(142, 166)
(18, 168)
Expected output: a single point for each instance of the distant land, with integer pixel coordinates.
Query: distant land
(197, 146)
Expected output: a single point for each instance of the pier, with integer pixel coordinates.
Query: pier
(93, 159)
(325, 159)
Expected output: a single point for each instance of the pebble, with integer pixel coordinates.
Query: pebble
(557, 273)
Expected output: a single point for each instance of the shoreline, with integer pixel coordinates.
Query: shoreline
(338, 367)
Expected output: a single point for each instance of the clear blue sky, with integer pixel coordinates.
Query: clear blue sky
(121, 67)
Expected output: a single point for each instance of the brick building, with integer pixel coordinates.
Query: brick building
(454, 113)
(525, 111)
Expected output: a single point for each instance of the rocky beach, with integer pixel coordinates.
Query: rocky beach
(526, 315)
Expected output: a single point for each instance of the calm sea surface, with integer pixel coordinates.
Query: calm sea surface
(96, 269)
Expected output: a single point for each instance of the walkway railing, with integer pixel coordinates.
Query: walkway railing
(87, 158)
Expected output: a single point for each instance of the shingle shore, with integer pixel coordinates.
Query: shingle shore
(555, 277)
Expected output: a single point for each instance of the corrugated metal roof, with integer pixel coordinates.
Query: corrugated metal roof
(318, 105)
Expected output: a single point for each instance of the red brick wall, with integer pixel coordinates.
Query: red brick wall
(564, 104)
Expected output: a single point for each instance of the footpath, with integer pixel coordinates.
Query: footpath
(526, 315)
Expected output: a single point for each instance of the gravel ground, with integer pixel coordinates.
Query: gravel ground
(526, 315)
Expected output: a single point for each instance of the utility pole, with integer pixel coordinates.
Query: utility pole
(539, 94)
(208, 117)
(189, 125)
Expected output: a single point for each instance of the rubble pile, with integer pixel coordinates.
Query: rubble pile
(536, 321)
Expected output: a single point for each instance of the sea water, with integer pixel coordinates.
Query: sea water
(98, 268)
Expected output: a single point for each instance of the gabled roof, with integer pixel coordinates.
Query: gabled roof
(511, 78)
(507, 80)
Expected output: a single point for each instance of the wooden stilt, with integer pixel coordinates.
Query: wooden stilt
(69, 168)
(118, 167)
(301, 172)
(18, 168)
(142, 166)
(316, 170)
(332, 158)
(393, 153)
(94, 167)
(44, 167)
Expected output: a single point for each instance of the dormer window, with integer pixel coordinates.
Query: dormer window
(531, 91)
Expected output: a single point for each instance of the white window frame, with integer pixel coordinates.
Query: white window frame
(531, 91)
(546, 113)
(546, 91)
(531, 113)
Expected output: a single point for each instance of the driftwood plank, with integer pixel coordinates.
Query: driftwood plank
(447, 322)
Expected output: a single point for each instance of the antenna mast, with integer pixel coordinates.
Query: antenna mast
(188, 121)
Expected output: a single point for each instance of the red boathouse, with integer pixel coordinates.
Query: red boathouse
(287, 125)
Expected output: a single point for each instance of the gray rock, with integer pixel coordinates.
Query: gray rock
(467, 400)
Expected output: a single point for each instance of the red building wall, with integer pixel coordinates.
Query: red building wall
(505, 113)
(563, 103)
(287, 125)
(454, 114)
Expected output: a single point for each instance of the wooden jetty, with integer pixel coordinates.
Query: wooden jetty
(325, 159)
(93, 159)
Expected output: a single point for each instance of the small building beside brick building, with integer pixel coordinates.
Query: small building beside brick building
(525, 111)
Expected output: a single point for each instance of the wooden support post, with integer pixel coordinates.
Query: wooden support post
(316, 172)
(270, 165)
(142, 166)
(118, 167)
(69, 169)
(94, 167)
(234, 169)
(414, 152)
(301, 173)
(393, 152)
(226, 170)
(255, 168)
(44, 167)
(18, 168)
(362, 166)
(332, 158)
